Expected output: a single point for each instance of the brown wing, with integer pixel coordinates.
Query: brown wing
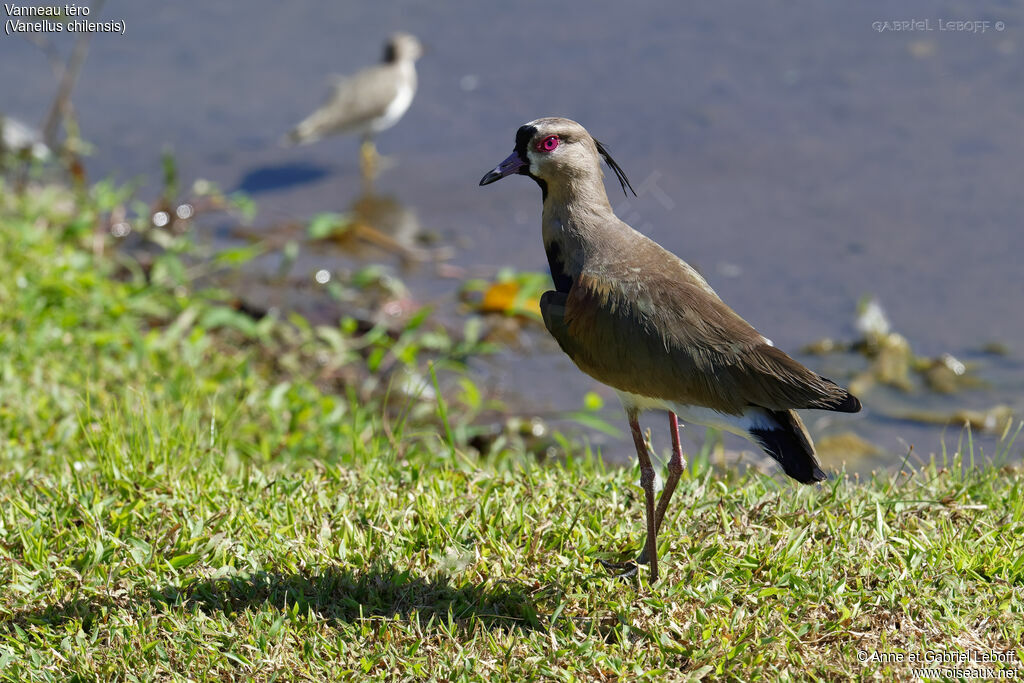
(352, 102)
(668, 336)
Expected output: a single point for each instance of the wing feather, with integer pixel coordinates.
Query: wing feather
(353, 102)
(672, 338)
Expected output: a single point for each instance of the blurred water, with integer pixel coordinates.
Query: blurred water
(795, 154)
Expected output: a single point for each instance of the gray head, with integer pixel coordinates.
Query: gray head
(402, 47)
(555, 151)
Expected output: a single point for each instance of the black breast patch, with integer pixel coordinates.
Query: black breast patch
(562, 280)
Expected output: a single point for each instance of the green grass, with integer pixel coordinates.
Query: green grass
(187, 494)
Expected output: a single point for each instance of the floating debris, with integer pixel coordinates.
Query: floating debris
(995, 419)
(892, 361)
(825, 346)
(845, 447)
(995, 348)
(872, 322)
(505, 330)
(510, 294)
(375, 221)
(504, 297)
(943, 374)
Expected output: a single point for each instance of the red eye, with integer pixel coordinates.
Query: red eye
(548, 144)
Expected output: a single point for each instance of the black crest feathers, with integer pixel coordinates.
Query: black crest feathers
(619, 173)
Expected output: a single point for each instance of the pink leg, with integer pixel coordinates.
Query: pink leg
(654, 517)
(675, 470)
(647, 477)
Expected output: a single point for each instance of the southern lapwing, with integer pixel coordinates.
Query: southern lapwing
(636, 317)
(368, 102)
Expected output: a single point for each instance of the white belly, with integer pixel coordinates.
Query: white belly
(734, 424)
(396, 109)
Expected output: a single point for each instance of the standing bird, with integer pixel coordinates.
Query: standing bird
(636, 317)
(367, 103)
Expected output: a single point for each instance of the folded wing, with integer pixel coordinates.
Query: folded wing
(668, 336)
(353, 103)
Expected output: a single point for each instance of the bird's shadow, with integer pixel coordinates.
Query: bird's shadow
(334, 594)
(281, 177)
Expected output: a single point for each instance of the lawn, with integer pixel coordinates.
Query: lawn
(190, 493)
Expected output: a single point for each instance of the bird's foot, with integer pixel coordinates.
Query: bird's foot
(624, 570)
(621, 570)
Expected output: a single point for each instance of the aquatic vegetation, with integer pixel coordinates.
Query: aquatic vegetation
(846, 447)
(997, 419)
(511, 293)
(892, 362)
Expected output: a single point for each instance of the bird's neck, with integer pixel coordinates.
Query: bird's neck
(577, 217)
(577, 205)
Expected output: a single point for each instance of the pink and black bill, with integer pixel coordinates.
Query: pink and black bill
(517, 161)
(512, 164)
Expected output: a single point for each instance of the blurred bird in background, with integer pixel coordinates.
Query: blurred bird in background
(367, 102)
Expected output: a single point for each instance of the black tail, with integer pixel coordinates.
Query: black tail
(846, 403)
(783, 436)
